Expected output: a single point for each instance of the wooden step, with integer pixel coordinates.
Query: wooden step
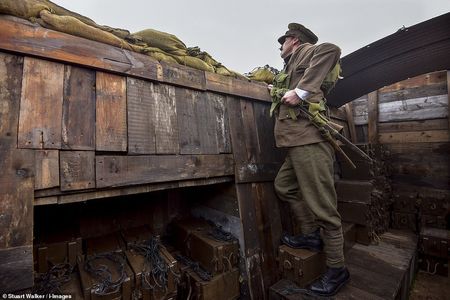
(383, 271)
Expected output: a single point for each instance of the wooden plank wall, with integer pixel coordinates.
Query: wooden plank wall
(16, 184)
(91, 129)
(68, 131)
(98, 121)
(411, 119)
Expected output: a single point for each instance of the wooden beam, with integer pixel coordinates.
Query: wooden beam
(373, 117)
(414, 137)
(82, 196)
(21, 36)
(127, 170)
(350, 121)
(16, 268)
(436, 124)
(16, 184)
(448, 99)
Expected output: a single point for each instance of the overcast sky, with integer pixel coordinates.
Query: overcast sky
(242, 34)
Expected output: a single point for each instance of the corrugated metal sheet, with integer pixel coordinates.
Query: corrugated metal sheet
(409, 52)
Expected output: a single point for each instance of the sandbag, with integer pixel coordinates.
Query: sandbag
(223, 71)
(61, 11)
(160, 56)
(203, 55)
(195, 63)
(264, 74)
(73, 26)
(25, 9)
(162, 40)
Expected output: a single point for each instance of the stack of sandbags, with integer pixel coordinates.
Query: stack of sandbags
(157, 44)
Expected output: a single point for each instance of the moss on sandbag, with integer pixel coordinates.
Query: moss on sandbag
(73, 26)
(162, 40)
(25, 9)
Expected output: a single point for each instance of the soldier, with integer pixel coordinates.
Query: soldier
(306, 178)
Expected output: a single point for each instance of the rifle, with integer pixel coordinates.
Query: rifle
(331, 135)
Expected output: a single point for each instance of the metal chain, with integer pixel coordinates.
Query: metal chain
(106, 284)
(51, 281)
(159, 268)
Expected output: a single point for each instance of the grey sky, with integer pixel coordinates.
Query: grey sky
(242, 34)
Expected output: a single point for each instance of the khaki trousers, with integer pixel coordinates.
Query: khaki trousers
(306, 182)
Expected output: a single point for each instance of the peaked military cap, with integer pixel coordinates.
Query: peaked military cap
(301, 32)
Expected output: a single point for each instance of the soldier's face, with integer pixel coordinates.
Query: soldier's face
(287, 47)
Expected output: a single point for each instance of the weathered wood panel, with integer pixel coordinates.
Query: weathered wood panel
(437, 124)
(237, 87)
(22, 36)
(166, 124)
(432, 107)
(206, 118)
(141, 117)
(372, 102)
(129, 170)
(253, 256)
(16, 269)
(41, 104)
(182, 75)
(219, 107)
(11, 68)
(414, 92)
(17, 166)
(350, 121)
(269, 229)
(237, 134)
(448, 98)
(46, 169)
(111, 112)
(415, 82)
(360, 110)
(78, 123)
(77, 169)
(196, 122)
(429, 136)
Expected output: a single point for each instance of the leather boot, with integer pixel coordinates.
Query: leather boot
(311, 241)
(330, 282)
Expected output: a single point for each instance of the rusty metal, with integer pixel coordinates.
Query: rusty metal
(409, 52)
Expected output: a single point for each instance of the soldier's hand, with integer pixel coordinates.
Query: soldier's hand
(291, 98)
(270, 87)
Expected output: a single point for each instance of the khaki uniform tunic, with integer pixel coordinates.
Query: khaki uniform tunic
(307, 67)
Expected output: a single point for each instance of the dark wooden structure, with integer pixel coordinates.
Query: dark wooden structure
(81, 120)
